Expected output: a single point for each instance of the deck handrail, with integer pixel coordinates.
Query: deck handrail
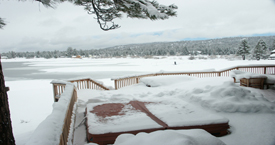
(58, 89)
(68, 120)
(87, 83)
(261, 69)
(59, 121)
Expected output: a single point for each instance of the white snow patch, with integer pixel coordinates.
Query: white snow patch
(169, 137)
(230, 97)
(48, 132)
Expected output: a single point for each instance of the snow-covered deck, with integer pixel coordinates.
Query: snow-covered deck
(106, 121)
(215, 95)
(222, 98)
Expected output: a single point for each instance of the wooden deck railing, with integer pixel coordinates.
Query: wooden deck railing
(60, 120)
(68, 120)
(260, 69)
(59, 87)
(88, 84)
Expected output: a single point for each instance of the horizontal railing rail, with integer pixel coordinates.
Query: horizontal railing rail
(88, 84)
(260, 69)
(59, 86)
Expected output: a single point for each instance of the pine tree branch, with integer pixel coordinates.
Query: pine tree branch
(108, 10)
(2, 23)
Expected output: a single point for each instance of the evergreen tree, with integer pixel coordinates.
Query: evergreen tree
(75, 52)
(184, 51)
(257, 51)
(37, 54)
(2, 23)
(260, 51)
(265, 51)
(69, 52)
(243, 49)
(172, 52)
(273, 45)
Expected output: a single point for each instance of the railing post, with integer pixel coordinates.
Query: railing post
(264, 70)
(54, 92)
(137, 80)
(88, 84)
(116, 84)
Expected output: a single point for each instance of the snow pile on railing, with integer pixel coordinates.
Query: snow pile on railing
(211, 70)
(48, 132)
(240, 74)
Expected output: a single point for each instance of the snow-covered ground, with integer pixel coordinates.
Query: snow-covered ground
(250, 111)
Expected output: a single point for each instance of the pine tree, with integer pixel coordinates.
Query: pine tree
(265, 50)
(2, 23)
(243, 49)
(260, 51)
(69, 52)
(273, 45)
(257, 51)
(172, 52)
(184, 51)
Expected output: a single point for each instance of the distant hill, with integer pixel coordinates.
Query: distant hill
(222, 46)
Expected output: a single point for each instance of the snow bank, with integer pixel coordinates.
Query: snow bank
(169, 137)
(230, 97)
(165, 80)
(49, 131)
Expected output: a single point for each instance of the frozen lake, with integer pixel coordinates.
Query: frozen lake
(25, 70)
(67, 68)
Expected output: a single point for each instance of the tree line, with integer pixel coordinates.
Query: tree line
(253, 47)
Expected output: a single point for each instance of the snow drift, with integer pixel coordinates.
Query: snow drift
(230, 97)
(166, 137)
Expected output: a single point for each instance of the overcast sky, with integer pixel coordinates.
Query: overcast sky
(31, 26)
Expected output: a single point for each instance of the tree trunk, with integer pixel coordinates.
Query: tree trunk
(6, 135)
(243, 57)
